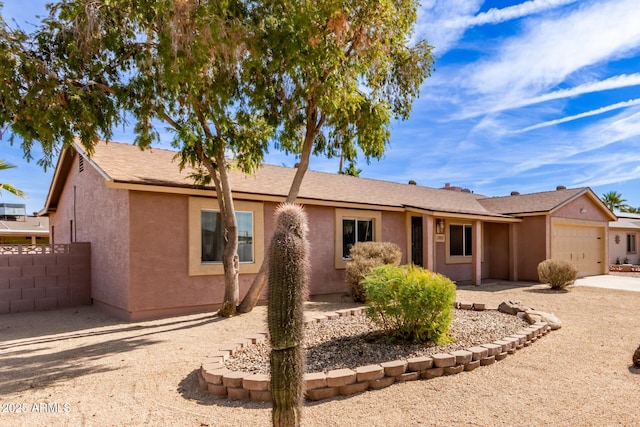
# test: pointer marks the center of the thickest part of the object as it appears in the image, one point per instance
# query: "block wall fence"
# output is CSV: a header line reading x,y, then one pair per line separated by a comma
x,y
44,277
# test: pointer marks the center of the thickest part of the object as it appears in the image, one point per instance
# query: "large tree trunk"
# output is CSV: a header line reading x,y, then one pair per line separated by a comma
x,y
313,127
230,260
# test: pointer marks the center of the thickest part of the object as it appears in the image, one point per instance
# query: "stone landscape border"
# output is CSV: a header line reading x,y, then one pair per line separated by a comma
x,y
237,385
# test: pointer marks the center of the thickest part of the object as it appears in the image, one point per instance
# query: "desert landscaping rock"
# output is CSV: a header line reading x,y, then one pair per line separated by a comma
x,y
117,373
548,318
345,342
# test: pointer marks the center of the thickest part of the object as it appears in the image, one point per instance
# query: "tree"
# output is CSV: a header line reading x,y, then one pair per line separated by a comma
x,y
613,200
8,187
351,170
333,74
629,209
94,64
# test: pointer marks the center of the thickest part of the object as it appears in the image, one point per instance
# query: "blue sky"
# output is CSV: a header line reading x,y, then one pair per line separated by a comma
x,y
526,95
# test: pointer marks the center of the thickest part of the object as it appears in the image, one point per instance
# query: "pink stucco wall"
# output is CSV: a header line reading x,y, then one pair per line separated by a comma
x,y
583,208
100,216
325,278
618,251
394,229
456,272
159,258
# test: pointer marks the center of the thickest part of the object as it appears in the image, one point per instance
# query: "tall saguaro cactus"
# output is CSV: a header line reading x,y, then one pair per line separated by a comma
x,y
288,278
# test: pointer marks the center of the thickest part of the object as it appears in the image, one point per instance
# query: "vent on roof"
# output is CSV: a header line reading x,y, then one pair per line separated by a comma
x,y
515,193
561,187
450,187
412,182
80,163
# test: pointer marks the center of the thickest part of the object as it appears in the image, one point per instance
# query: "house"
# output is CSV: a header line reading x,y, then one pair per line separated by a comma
x,y
18,228
623,239
155,237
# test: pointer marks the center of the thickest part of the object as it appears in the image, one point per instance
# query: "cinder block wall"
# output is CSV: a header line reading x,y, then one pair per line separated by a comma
x,y
46,281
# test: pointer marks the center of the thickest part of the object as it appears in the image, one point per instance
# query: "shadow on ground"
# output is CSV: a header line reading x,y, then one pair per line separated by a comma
x,y
22,372
497,286
190,390
48,335
36,362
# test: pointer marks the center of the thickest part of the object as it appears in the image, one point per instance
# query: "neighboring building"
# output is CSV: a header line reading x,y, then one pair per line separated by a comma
x,y
17,228
155,237
624,237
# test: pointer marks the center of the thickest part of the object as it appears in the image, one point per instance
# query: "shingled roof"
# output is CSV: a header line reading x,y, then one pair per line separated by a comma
x,y
544,201
128,164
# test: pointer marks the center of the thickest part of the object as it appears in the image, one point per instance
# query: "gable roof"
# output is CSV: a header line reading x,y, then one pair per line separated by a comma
x,y
544,201
127,166
541,202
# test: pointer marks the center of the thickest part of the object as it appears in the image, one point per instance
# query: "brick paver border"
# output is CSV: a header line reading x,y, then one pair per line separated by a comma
x,y
236,385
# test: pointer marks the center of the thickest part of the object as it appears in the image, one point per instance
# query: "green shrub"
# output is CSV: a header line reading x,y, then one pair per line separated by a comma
x,y
558,274
364,257
410,303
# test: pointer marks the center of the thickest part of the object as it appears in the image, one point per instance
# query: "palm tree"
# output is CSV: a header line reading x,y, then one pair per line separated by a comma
x,y
629,209
613,200
8,187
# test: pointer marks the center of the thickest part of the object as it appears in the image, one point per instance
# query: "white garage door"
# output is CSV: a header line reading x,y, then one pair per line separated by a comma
x,y
582,246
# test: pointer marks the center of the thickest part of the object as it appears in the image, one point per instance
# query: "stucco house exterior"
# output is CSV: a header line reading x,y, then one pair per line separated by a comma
x,y
624,237
155,237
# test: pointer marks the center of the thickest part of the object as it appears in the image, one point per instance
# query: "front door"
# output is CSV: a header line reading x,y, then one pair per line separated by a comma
x,y
416,240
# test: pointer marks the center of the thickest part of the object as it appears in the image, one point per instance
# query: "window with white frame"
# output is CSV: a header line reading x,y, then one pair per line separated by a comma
x,y
460,240
213,238
631,243
354,231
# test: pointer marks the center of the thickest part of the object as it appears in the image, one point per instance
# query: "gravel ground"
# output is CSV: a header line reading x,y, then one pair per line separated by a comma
x,y
89,369
349,342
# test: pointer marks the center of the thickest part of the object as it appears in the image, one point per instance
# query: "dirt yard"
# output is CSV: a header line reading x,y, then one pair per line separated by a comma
x,y
83,367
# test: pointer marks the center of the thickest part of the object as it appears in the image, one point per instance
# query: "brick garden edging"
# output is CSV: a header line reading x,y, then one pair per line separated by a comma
x,y
236,385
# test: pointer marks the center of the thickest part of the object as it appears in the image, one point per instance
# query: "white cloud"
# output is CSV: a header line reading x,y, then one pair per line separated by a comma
x,y
595,112
502,104
443,22
552,49
496,16
436,20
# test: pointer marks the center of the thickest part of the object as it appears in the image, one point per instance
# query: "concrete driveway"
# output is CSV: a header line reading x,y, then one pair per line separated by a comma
x,y
611,282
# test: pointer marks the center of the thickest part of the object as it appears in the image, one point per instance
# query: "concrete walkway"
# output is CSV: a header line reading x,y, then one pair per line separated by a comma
x,y
611,282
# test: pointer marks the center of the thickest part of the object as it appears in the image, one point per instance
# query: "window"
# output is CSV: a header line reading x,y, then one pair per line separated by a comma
x,y
213,236
631,243
350,226
353,231
460,240
206,236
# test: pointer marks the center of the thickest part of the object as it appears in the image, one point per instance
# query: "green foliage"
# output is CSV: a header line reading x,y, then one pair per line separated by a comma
x,y
629,209
410,303
328,51
351,170
613,200
558,274
8,187
92,66
288,278
364,257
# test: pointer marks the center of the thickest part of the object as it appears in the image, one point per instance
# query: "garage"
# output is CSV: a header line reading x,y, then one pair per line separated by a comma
x,y
582,244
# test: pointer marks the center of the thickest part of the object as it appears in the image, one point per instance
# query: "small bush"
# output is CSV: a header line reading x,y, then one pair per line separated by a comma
x,y
364,257
410,303
558,274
